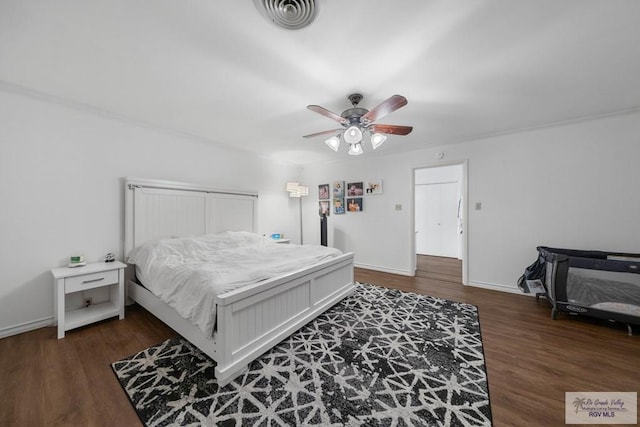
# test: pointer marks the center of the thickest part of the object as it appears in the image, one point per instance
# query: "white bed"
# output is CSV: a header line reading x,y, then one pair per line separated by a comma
x,y
251,318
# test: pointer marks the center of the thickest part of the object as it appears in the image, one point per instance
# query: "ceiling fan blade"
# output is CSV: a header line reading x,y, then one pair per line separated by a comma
x,y
391,129
321,110
387,106
325,132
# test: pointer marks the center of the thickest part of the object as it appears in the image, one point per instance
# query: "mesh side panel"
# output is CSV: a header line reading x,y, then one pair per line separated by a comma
x,y
589,287
549,280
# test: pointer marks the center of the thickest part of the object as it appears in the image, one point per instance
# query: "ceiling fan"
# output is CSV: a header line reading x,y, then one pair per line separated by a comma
x,y
357,121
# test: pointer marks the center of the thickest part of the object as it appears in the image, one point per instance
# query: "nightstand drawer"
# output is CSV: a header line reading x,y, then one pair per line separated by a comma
x,y
89,281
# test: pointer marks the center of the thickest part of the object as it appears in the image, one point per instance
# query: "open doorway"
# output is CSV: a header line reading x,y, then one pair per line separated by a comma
x,y
439,215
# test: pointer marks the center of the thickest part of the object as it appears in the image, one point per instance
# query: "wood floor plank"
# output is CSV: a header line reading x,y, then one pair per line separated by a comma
x,y
21,369
531,359
68,390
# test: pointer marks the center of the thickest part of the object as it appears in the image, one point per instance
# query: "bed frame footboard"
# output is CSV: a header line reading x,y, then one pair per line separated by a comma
x,y
253,319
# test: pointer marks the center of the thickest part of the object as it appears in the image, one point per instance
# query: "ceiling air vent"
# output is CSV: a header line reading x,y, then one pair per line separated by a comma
x,y
289,14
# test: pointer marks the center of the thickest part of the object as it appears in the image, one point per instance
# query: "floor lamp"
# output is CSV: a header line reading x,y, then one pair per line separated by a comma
x,y
296,190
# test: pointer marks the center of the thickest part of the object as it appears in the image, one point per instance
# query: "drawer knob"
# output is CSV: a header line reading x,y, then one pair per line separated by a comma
x,y
93,280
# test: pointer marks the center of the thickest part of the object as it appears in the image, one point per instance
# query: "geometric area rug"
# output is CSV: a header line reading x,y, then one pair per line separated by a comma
x,y
380,357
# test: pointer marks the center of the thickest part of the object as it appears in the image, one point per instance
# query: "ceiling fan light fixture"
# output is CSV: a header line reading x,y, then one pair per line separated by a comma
x,y
353,135
355,149
377,139
357,121
333,143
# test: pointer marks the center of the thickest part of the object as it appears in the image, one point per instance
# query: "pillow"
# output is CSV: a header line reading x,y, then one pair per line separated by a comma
x,y
192,246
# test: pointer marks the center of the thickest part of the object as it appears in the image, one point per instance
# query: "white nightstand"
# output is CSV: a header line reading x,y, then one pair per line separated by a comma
x,y
96,275
281,240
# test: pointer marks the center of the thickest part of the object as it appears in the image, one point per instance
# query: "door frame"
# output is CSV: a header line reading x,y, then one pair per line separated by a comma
x,y
465,213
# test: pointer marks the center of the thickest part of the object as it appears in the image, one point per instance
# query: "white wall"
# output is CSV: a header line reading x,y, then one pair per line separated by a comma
x,y
379,236
61,191
571,186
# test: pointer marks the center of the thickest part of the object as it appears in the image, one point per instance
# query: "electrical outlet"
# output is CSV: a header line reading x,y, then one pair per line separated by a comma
x,y
88,301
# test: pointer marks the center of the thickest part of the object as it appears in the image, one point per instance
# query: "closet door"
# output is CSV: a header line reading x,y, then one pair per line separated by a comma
x,y
421,218
449,220
436,219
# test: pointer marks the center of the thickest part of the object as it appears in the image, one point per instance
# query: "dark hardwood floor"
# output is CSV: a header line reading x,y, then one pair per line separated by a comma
x,y
531,360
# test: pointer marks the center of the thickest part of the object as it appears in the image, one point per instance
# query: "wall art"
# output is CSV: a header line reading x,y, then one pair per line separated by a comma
x,y
373,186
354,204
338,189
324,207
323,192
355,189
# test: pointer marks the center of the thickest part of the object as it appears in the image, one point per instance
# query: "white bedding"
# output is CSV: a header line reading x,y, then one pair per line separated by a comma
x,y
188,273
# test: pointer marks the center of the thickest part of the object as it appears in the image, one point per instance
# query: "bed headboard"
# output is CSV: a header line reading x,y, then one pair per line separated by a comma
x,y
156,209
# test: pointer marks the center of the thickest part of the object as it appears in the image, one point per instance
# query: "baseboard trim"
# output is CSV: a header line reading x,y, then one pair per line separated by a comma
x,y
26,327
483,285
383,269
496,287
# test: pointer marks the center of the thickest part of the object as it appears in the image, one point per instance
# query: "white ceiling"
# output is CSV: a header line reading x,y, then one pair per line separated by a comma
x,y
217,70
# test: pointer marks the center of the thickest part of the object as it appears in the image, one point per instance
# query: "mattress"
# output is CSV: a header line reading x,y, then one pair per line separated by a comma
x,y
188,273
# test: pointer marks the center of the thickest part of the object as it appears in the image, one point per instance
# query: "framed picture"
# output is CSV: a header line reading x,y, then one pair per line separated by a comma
x,y
373,186
338,189
338,205
354,204
354,189
324,207
323,192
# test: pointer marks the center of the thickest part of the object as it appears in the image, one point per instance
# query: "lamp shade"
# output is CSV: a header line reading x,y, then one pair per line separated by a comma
x,y
353,135
333,143
296,190
377,139
355,149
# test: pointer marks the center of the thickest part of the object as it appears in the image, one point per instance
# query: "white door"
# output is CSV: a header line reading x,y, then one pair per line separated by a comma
x,y
449,219
436,219
421,218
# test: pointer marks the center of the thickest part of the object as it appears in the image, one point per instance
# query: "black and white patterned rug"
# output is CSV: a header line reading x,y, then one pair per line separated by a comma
x,y
381,357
